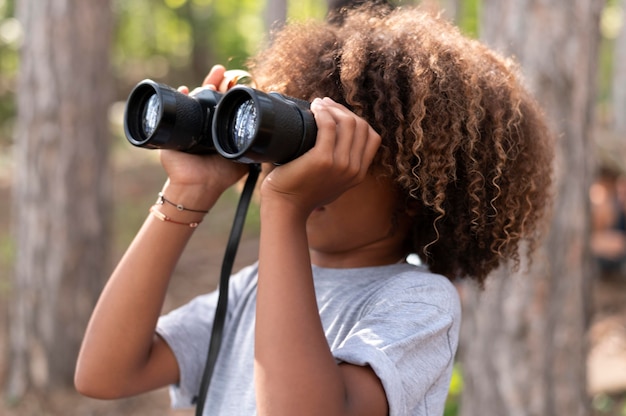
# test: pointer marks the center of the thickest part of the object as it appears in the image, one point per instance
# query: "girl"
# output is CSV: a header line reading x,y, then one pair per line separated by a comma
x,y
427,143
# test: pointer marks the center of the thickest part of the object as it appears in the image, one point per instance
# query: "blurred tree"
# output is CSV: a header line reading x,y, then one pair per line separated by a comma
x,y
275,14
524,339
451,8
202,51
60,188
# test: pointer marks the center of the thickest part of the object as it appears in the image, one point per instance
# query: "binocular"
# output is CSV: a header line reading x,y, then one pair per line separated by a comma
x,y
243,124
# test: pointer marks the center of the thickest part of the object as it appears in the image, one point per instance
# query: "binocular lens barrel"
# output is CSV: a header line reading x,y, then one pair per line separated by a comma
x,y
159,117
251,126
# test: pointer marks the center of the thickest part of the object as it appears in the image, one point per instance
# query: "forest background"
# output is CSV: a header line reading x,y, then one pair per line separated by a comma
x,y
175,42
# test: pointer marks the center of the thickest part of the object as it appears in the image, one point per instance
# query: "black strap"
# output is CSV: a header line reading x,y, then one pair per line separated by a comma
x,y
222,301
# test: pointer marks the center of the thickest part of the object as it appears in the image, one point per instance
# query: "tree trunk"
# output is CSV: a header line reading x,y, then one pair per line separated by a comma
x,y
275,14
202,51
451,8
61,197
523,342
619,78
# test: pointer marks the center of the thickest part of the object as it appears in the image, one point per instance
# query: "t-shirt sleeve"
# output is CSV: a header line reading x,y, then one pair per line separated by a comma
x,y
187,331
409,338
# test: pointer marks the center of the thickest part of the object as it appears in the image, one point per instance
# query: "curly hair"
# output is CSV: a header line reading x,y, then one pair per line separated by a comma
x,y
461,137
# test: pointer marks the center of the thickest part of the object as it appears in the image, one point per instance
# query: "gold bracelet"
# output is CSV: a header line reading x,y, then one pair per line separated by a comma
x,y
161,199
161,216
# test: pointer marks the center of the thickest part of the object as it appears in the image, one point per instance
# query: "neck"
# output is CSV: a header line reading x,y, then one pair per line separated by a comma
x,y
354,260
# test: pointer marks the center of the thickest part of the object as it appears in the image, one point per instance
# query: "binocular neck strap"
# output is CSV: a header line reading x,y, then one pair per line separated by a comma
x,y
227,267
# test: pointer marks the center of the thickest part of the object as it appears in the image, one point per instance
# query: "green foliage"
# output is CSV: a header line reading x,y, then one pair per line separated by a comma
x,y
612,22
469,17
7,255
306,9
454,393
169,39
609,405
10,38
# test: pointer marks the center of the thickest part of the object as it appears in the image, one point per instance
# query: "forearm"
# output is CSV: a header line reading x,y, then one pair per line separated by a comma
x,y
119,340
295,372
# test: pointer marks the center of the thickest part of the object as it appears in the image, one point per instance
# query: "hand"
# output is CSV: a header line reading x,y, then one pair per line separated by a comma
x,y
344,149
208,173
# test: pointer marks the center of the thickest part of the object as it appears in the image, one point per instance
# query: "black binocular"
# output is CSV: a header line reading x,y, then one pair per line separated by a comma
x,y
243,124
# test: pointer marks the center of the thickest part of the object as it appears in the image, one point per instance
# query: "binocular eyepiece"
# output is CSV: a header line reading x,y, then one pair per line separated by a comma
x,y
243,124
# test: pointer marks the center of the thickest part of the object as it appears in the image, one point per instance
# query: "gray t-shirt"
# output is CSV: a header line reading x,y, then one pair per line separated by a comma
x,y
401,320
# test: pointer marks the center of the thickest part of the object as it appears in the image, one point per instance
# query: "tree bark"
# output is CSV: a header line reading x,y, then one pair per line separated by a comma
x,y
275,14
61,198
202,51
524,345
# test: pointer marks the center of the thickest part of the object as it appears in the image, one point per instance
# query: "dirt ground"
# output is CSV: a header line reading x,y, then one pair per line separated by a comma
x,y
138,182
607,357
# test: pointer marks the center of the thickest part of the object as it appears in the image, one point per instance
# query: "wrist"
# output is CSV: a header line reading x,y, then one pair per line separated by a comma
x,y
162,200
284,208
157,212
188,198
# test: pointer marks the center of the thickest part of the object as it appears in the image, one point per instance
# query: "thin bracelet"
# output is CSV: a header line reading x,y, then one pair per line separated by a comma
x,y
161,216
161,199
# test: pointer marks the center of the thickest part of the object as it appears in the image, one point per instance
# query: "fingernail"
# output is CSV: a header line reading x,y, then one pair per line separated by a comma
x,y
317,102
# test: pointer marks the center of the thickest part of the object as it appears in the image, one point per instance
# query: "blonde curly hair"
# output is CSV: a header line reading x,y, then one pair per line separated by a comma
x,y
462,138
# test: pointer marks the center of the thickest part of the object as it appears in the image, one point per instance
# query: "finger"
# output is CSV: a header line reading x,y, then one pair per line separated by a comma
x,y
235,77
353,134
346,136
183,89
371,148
326,128
214,77
366,142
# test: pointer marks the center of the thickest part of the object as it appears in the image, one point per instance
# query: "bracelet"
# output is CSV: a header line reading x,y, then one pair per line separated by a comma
x,y
161,199
161,216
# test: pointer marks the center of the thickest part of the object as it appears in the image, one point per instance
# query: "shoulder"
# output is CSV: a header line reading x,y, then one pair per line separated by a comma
x,y
384,288
414,307
400,296
407,331
410,284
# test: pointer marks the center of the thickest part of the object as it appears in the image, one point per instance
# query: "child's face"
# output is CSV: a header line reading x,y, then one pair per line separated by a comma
x,y
363,227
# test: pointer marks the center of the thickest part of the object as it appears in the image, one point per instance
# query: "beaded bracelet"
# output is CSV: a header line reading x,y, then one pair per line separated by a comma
x,y
161,199
161,216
